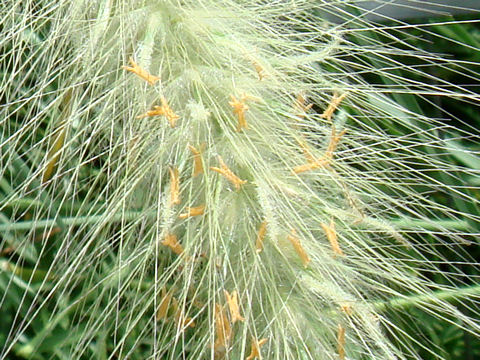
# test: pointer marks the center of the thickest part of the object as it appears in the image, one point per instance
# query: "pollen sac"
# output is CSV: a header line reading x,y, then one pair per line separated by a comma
x,y
140,72
239,109
228,174
174,186
332,237
341,342
232,301
197,160
324,161
223,330
164,306
334,140
171,241
334,103
255,348
163,110
193,211
300,108
262,231
295,241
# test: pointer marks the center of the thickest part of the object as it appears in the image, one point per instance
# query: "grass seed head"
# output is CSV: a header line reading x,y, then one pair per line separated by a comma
x,y
92,233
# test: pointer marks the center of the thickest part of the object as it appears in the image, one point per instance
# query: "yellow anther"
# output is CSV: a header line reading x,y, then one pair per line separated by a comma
x,y
228,174
334,103
162,311
295,241
180,318
239,108
262,231
300,108
174,186
306,151
320,163
232,301
332,237
223,330
142,73
157,111
341,342
347,309
334,140
197,160
259,69
193,211
171,241
255,348
323,161
163,110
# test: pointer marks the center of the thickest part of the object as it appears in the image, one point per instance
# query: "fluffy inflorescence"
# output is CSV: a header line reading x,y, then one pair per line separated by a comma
x,y
206,180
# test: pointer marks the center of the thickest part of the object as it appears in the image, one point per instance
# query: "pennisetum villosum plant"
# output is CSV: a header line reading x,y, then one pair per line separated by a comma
x,y
220,179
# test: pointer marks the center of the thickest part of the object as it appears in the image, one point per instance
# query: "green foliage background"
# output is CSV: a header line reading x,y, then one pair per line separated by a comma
x,y
459,39
455,38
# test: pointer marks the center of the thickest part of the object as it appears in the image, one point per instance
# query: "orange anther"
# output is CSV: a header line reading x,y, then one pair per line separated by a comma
x,y
197,160
341,342
223,330
162,311
180,318
193,211
323,161
334,140
163,110
262,231
332,237
232,301
259,69
171,241
255,348
142,73
239,108
334,103
320,163
295,241
228,174
347,309
174,186
306,151
299,107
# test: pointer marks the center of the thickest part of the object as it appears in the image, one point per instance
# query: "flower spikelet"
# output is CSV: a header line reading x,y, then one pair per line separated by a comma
x,y
228,174
140,72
